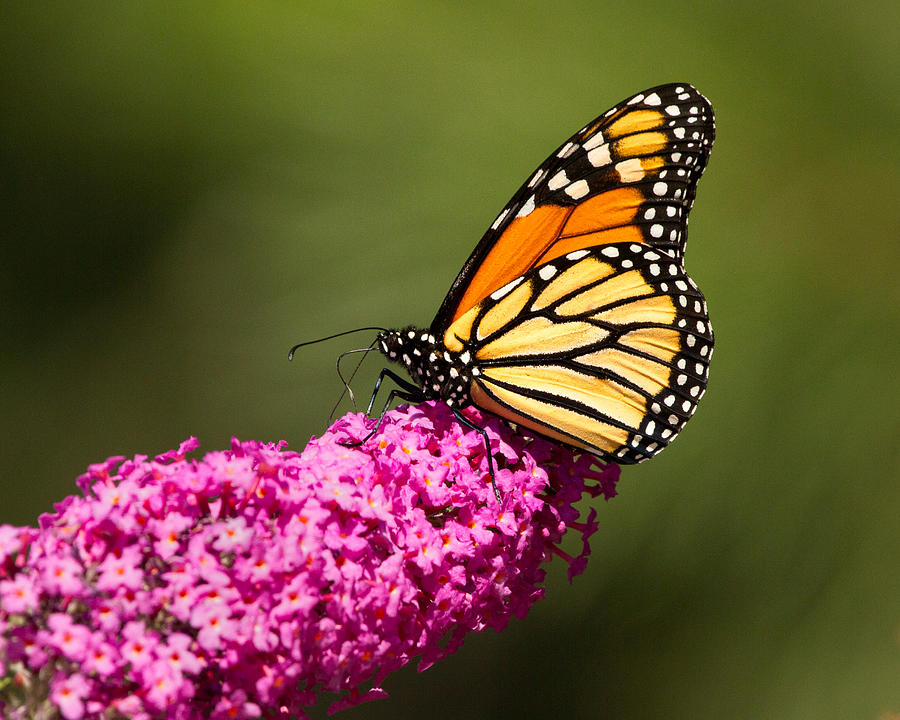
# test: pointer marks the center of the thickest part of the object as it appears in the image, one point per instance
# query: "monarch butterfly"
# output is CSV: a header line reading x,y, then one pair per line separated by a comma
x,y
573,316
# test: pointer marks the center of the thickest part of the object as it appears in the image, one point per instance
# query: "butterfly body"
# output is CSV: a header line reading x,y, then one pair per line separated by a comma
x,y
440,373
574,316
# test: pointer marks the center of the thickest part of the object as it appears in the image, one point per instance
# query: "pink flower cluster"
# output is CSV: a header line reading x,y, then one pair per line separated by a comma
x,y
247,582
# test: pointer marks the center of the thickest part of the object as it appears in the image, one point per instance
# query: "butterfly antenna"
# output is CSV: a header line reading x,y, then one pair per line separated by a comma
x,y
331,337
347,389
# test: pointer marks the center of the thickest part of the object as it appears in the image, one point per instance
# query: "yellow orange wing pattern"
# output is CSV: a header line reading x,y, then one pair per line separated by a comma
x,y
628,176
605,348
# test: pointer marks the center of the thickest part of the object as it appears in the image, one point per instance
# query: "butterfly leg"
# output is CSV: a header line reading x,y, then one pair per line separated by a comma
x,y
407,391
404,385
487,448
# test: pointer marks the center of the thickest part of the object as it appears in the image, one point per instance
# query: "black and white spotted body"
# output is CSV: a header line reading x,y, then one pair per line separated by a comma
x,y
439,372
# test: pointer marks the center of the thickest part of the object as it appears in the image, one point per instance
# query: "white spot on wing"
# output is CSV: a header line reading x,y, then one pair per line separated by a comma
x,y
566,150
547,272
592,142
527,208
630,170
557,181
598,157
577,189
652,99
537,177
506,289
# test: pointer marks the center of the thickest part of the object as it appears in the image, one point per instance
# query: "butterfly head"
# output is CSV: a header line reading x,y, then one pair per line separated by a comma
x,y
442,374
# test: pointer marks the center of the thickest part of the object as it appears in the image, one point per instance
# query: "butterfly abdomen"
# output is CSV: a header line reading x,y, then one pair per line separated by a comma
x,y
442,374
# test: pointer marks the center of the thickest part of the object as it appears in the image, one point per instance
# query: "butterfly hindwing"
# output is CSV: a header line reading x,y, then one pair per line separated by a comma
x,y
628,176
605,348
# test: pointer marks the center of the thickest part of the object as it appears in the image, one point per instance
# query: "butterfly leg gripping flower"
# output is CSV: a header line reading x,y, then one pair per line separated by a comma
x,y
411,393
407,391
250,582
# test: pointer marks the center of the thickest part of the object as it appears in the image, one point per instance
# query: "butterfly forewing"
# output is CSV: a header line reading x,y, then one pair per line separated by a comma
x,y
604,348
628,176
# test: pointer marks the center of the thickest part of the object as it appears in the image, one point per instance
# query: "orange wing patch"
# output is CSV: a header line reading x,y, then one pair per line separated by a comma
x,y
561,424
640,144
649,375
601,212
540,335
606,397
582,274
625,285
634,122
461,330
627,233
508,259
509,307
658,309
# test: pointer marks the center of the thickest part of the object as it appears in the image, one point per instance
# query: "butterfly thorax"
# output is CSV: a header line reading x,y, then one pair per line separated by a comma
x,y
442,375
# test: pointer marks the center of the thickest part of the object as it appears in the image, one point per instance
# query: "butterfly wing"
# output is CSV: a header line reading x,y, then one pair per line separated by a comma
x,y
630,175
605,348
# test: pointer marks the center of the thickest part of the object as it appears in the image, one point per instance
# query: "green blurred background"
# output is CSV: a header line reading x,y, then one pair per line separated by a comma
x,y
189,189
